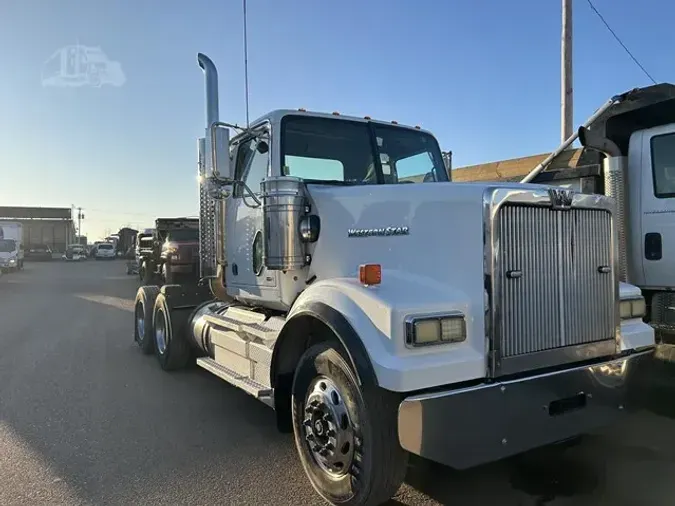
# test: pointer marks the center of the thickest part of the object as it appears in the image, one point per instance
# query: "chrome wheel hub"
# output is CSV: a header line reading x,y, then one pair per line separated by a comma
x,y
140,322
160,332
328,427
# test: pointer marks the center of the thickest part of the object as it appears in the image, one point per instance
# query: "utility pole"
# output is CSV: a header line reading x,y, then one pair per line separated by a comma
x,y
80,217
566,91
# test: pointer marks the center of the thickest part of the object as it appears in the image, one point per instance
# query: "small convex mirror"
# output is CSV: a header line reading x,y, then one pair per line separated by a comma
x,y
262,147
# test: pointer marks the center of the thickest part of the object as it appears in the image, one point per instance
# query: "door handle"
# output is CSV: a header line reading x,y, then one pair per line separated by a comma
x,y
653,246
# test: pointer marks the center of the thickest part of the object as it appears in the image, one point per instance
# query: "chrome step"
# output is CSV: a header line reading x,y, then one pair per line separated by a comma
x,y
257,390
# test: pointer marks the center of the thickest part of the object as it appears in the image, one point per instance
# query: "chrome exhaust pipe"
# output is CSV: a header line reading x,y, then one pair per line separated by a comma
x,y
614,168
211,213
211,82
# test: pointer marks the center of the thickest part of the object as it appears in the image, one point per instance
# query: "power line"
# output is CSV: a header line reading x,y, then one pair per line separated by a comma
x,y
590,3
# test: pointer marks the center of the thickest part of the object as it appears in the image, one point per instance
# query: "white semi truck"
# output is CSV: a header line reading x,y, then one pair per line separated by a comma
x,y
380,316
633,137
11,246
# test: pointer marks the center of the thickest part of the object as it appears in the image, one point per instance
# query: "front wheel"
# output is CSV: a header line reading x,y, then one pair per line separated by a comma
x,y
346,435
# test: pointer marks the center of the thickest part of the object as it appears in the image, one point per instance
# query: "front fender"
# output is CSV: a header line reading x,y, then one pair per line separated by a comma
x,y
377,316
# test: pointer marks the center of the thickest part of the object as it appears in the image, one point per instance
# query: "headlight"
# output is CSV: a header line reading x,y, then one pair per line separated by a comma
x,y
12,261
633,308
424,331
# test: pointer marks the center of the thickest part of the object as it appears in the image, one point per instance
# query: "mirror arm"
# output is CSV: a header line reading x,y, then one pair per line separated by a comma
x,y
250,194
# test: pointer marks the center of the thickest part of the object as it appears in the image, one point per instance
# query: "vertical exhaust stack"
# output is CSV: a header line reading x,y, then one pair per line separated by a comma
x,y
208,220
614,168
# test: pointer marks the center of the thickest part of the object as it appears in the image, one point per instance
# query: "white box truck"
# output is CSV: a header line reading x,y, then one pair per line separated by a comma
x,y
11,246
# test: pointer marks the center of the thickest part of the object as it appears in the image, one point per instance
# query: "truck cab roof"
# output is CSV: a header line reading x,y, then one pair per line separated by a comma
x,y
277,115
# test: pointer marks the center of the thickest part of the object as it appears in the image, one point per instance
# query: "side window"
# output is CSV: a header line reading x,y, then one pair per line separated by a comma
x,y
257,167
243,154
663,165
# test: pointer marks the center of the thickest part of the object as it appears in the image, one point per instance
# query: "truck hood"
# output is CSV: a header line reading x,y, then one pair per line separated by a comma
x,y
5,255
430,234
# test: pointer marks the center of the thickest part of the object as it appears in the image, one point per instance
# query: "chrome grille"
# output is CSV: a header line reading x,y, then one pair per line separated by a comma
x,y
554,283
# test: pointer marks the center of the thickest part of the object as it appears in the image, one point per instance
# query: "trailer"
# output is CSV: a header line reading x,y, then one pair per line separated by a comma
x,y
384,311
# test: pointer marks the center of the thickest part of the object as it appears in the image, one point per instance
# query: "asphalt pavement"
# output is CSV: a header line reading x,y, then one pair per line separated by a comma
x,y
85,418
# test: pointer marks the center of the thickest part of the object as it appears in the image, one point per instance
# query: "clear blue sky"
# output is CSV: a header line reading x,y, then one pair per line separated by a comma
x,y
482,74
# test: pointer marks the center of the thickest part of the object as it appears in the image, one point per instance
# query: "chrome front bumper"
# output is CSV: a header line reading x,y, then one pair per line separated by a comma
x,y
472,426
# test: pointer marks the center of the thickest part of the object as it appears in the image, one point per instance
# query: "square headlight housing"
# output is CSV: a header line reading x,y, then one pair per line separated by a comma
x,y
431,330
633,308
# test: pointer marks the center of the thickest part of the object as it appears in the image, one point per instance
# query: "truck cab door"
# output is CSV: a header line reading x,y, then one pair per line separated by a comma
x,y
245,272
656,206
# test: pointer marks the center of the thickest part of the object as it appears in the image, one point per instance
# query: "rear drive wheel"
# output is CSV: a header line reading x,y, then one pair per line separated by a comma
x,y
346,435
170,331
143,332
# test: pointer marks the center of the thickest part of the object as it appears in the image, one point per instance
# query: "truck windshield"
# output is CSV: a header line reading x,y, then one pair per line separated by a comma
x,y
7,245
183,235
341,151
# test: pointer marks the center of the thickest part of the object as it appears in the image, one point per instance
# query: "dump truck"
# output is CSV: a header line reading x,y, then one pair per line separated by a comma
x,y
382,310
628,152
172,255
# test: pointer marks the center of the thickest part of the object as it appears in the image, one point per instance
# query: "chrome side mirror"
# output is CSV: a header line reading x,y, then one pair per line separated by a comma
x,y
217,152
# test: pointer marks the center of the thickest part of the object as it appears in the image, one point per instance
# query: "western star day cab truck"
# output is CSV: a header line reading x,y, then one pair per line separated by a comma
x,y
381,315
11,246
633,139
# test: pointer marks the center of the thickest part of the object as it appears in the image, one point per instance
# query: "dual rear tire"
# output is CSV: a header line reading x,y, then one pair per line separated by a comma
x,y
161,328
170,330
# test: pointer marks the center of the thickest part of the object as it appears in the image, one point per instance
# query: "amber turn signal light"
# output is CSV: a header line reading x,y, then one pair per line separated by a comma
x,y
370,274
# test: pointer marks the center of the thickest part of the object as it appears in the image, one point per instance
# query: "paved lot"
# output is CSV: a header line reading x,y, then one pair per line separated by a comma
x,y
86,419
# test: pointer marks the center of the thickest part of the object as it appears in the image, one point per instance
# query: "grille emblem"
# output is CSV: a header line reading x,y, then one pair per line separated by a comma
x,y
560,198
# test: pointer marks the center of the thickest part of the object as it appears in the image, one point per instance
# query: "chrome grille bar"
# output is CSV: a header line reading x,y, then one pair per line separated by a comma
x,y
555,291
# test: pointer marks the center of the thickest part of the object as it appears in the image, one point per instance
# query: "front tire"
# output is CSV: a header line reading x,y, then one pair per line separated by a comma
x,y
143,309
170,331
346,435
